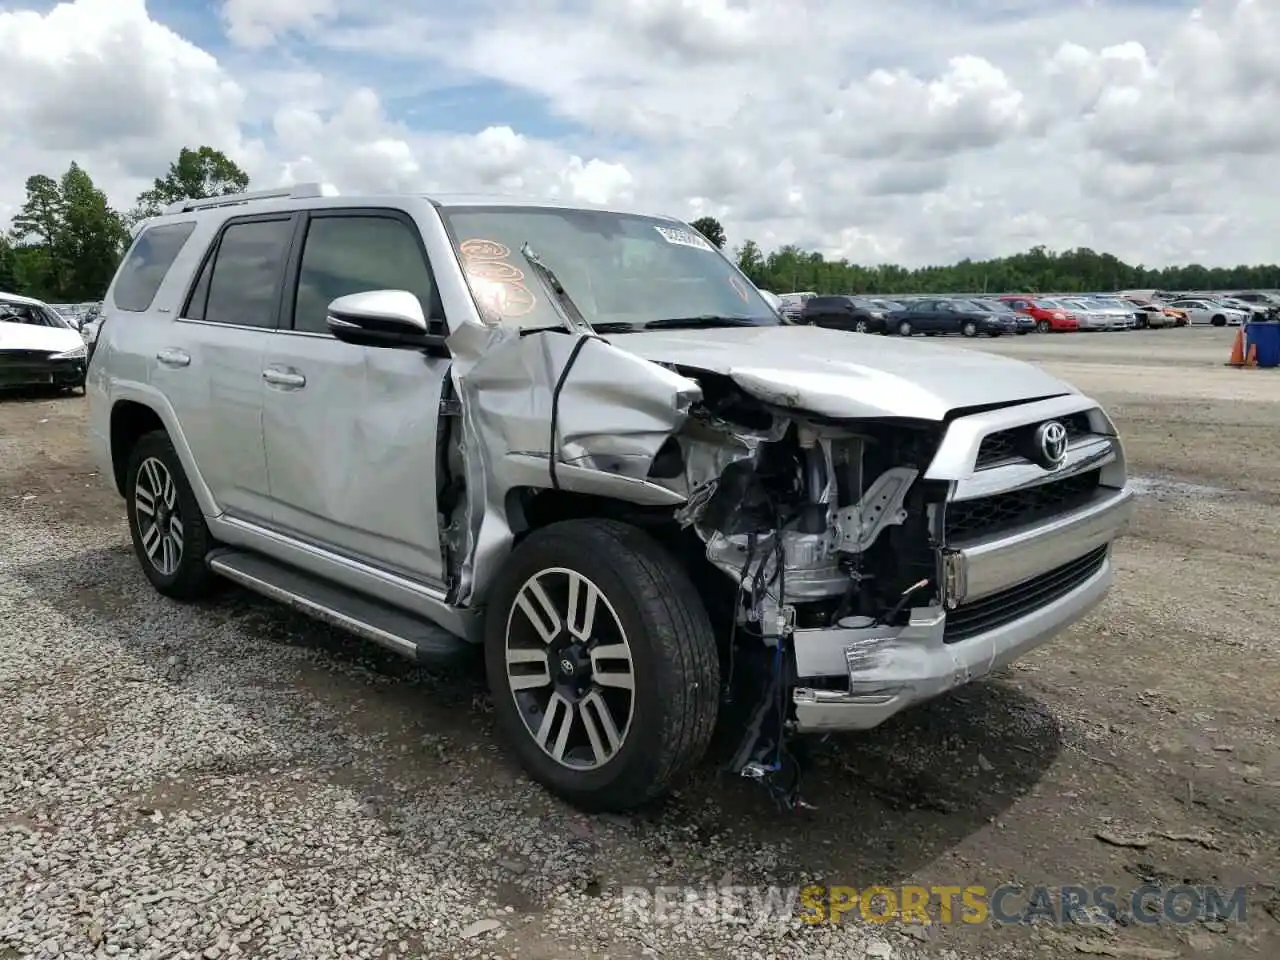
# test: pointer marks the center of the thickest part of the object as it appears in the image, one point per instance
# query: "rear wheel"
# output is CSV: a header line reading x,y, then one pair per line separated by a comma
x,y
904,328
165,521
602,663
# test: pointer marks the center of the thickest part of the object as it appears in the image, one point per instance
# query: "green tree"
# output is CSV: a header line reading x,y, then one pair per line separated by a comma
x,y
1038,270
66,239
37,227
8,268
91,238
751,262
710,228
199,173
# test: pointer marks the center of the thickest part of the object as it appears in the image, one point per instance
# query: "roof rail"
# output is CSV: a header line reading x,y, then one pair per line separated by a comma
x,y
297,191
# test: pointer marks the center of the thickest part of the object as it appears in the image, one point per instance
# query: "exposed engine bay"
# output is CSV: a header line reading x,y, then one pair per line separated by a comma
x,y
816,522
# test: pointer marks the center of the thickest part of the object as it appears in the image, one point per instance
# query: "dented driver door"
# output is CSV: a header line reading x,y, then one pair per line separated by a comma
x,y
350,431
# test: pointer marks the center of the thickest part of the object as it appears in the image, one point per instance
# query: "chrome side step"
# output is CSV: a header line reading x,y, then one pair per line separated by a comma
x,y
365,617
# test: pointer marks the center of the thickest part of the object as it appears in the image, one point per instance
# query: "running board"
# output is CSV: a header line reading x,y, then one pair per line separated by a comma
x,y
371,619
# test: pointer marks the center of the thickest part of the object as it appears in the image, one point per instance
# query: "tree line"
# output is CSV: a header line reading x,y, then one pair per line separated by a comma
x,y
66,240
1038,270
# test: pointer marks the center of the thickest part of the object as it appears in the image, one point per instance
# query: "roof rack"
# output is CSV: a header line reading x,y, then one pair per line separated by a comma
x,y
297,191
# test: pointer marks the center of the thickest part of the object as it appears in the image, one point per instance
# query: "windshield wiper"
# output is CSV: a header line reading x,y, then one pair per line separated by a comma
x,y
565,306
702,320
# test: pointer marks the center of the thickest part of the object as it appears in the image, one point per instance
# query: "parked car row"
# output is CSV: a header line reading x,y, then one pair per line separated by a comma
x,y
1001,314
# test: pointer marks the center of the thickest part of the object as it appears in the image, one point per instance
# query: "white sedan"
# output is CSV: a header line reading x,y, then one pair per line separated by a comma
x,y
1211,312
37,346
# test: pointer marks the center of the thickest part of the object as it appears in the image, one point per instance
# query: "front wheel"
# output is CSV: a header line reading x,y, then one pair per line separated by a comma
x,y
1044,326
969,329
165,521
860,326
602,664
1219,321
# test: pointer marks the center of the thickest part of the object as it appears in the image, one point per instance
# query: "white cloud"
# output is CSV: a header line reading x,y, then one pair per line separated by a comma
x,y
258,23
917,131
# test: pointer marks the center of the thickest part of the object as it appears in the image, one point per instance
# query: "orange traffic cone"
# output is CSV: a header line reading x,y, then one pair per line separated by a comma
x,y
1237,350
1252,359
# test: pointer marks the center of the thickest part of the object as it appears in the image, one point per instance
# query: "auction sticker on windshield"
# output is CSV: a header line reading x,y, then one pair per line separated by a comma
x,y
684,238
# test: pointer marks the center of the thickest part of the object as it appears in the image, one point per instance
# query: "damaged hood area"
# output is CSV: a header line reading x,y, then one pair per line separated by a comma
x,y
838,374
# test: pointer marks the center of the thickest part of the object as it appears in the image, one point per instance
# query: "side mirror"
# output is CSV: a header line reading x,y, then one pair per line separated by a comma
x,y
381,318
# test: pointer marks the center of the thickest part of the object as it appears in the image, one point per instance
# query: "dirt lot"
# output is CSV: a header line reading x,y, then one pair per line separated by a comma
x,y
229,779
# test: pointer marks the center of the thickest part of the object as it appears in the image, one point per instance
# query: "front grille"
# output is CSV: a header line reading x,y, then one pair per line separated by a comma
x,y
24,356
1006,445
989,613
1003,511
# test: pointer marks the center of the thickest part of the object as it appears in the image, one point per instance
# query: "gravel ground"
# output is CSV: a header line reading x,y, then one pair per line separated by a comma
x,y
227,779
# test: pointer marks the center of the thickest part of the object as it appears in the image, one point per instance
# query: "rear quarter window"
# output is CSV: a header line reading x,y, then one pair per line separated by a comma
x,y
146,264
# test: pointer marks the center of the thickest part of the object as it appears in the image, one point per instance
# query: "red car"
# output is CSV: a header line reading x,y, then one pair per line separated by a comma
x,y
1048,319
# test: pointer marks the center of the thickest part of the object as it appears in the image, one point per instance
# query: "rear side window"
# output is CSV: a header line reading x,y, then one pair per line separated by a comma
x,y
144,268
240,282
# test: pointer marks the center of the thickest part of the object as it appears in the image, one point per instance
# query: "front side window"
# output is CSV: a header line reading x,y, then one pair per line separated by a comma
x,y
148,261
240,284
619,269
355,254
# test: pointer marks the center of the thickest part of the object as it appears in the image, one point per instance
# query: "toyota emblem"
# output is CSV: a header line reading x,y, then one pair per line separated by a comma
x,y
1051,444
567,665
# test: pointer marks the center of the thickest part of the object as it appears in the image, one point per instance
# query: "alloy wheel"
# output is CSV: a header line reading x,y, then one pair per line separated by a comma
x,y
569,668
155,503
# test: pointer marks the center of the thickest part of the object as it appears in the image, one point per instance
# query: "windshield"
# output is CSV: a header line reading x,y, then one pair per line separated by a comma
x,y
619,269
32,314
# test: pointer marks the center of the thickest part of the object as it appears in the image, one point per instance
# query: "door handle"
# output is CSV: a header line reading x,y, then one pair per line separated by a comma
x,y
291,379
174,358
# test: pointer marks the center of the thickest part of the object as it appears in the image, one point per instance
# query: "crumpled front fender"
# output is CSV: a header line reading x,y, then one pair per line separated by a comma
x,y
614,413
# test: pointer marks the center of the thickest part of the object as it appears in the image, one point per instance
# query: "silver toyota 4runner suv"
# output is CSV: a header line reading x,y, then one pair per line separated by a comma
x,y
582,441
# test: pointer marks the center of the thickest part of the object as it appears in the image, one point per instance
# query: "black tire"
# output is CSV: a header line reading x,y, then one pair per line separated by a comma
x,y
1044,326
904,328
191,579
1219,321
675,662
860,326
969,328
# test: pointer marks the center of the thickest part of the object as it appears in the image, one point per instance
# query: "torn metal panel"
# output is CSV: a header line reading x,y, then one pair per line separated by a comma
x,y
615,411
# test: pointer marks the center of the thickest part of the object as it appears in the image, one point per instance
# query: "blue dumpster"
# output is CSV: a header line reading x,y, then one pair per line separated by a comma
x,y
1265,337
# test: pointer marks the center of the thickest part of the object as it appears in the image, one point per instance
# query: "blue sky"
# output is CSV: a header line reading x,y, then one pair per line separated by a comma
x,y
916,131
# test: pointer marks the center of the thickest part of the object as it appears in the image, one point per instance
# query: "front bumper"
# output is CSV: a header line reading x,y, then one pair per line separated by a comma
x,y
21,368
855,679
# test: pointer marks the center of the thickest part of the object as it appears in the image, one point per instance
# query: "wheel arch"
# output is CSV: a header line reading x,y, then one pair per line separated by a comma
x,y
137,413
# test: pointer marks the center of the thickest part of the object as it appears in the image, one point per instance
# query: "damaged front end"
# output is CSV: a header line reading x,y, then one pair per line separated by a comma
x,y
801,522
817,524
